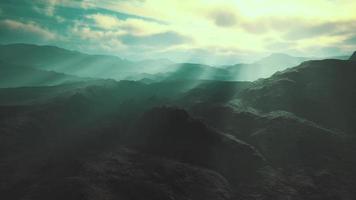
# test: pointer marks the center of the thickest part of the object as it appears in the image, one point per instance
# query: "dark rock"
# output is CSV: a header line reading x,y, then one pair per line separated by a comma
x,y
321,91
173,133
353,56
128,174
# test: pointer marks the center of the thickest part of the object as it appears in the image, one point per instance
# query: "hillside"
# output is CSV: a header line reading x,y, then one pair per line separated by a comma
x,y
322,91
102,66
188,133
12,75
65,61
353,56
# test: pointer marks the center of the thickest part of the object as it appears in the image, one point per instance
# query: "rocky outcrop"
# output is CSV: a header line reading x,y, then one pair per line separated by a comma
x,y
353,56
321,91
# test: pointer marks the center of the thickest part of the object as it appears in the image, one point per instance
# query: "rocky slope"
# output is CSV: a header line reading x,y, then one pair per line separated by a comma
x,y
353,57
321,91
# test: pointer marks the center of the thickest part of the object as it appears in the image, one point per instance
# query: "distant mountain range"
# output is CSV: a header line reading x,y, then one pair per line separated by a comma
x,y
264,67
64,61
14,75
288,136
51,58
75,63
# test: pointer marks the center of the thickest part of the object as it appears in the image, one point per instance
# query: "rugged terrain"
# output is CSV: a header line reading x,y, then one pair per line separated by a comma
x,y
288,136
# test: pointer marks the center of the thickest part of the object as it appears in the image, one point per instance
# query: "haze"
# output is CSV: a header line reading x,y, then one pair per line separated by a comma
x,y
203,31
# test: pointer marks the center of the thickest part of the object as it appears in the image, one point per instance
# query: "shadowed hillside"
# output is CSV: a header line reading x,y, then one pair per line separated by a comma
x,y
322,91
60,60
353,57
12,75
188,133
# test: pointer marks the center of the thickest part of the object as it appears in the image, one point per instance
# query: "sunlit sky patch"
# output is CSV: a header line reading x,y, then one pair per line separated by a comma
x,y
207,31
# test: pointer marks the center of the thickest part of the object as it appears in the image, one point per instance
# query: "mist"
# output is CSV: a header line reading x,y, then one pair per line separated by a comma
x,y
157,100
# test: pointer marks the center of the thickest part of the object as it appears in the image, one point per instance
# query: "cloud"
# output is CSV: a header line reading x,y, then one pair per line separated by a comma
x,y
130,25
223,18
327,50
105,21
204,28
28,27
130,1
169,38
281,45
48,7
307,30
228,17
331,50
85,32
287,27
255,27
210,55
350,40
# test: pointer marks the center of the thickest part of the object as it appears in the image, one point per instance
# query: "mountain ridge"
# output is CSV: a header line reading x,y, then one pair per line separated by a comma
x,y
61,60
308,90
353,56
12,75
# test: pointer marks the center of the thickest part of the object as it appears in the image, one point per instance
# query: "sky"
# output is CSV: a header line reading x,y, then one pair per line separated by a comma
x,y
206,31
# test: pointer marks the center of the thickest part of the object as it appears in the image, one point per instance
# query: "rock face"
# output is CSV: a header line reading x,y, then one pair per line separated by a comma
x,y
353,57
128,174
135,175
281,137
321,91
172,133
315,160
290,136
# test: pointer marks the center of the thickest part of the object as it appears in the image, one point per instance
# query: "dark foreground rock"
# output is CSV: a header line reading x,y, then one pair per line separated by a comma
x,y
128,174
